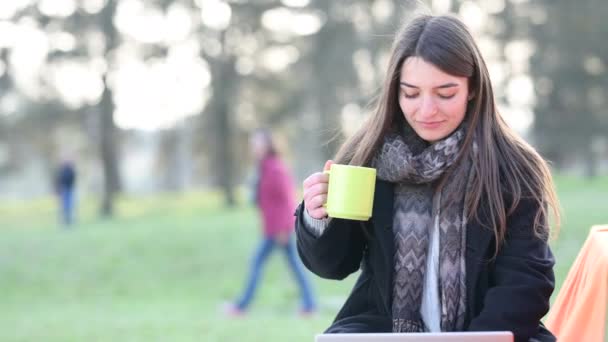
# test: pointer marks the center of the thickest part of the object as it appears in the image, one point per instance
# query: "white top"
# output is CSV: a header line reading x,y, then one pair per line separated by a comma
x,y
430,309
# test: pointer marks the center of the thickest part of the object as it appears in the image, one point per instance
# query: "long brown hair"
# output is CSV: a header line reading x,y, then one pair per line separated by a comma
x,y
507,168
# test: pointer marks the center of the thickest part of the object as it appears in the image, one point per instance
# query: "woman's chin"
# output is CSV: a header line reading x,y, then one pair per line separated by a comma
x,y
431,136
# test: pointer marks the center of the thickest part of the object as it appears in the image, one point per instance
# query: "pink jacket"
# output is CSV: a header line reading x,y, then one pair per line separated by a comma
x,y
276,197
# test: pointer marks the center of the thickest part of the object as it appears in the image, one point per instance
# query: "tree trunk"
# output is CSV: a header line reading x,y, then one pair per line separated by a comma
x,y
224,82
223,161
109,158
591,160
108,143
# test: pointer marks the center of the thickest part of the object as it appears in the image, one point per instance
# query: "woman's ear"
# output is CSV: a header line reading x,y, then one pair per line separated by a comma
x,y
471,96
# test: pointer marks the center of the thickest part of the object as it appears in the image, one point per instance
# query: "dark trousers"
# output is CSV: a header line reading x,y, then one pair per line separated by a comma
x,y
259,260
66,198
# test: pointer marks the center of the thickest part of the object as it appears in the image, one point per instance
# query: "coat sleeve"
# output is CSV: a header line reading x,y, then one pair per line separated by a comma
x,y
336,253
523,280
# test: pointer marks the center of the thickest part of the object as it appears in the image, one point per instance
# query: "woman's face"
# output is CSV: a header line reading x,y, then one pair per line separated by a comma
x,y
259,146
433,102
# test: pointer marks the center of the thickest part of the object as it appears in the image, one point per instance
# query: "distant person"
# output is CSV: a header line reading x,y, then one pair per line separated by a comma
x,y
274,195
65,183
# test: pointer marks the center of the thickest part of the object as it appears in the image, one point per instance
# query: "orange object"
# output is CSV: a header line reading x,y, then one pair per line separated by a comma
x,y
579,312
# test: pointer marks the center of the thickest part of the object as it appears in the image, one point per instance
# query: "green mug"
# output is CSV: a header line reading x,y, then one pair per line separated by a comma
x,y
350,194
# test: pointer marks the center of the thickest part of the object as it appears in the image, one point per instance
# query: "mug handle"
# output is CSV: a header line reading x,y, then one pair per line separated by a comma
x,y
327,172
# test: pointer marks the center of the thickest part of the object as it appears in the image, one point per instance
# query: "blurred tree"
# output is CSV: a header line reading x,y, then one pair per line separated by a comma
x,y
108,137
45,102
307,68
28,100
6,86
569,67
224,97
222,120
331,59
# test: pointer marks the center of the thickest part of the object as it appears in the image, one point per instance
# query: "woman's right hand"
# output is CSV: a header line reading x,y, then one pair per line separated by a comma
x,y
315,193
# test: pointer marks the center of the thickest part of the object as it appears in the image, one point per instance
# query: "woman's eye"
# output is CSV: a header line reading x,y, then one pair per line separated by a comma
x,y
446,97
410,96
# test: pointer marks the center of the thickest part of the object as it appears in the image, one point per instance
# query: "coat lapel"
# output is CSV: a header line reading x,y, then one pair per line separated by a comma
x,y
478,240
382,221
382,217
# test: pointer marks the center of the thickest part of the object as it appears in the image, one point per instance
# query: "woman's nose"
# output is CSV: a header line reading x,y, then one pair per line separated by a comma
x,y
428,108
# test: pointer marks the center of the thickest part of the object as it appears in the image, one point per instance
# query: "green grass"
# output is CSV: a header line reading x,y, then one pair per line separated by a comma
x,y
162,270
584,203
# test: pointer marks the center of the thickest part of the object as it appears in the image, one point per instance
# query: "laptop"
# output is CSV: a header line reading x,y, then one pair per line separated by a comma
x,y
481,336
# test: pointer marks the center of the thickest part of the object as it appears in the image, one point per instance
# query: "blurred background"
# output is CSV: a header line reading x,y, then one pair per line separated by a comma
x,y
151,103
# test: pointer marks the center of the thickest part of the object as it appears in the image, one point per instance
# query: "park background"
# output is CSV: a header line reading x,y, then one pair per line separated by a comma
x,y
154,101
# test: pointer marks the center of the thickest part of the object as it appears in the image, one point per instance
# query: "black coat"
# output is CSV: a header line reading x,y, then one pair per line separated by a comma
x,y
510,292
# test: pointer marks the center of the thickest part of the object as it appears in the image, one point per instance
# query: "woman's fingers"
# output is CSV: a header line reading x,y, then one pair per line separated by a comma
x,y
315,190
319,213
318,177
318,201
315,208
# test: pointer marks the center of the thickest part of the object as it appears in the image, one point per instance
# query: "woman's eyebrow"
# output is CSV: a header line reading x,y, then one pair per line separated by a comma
x,y
447,85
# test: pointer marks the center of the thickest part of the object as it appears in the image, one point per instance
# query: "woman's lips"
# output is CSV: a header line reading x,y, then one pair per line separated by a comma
x,y
430,125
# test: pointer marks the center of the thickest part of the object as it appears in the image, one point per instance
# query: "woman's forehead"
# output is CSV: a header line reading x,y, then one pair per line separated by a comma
x,y
420,73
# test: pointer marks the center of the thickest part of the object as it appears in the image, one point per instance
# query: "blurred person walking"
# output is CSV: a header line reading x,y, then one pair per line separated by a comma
x,y
65,183
274,195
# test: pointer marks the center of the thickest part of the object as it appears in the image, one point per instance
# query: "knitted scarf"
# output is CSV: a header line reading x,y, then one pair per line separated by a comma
x,y
411,163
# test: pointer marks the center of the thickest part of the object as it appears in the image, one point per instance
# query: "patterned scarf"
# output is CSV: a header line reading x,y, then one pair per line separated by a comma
x,y
415,166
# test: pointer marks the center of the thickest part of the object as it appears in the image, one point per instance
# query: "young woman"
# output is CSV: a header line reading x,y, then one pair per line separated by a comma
x,y
458,235
275,197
